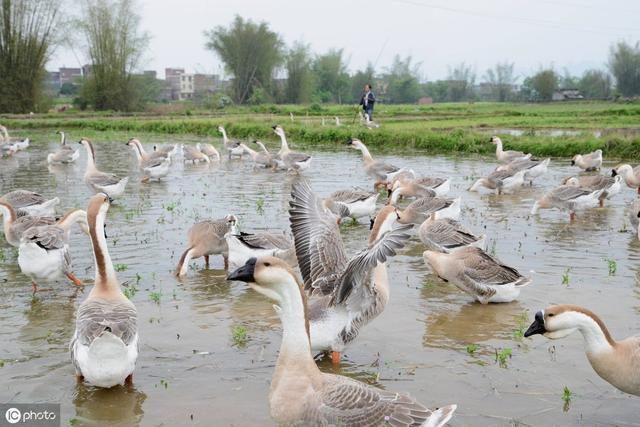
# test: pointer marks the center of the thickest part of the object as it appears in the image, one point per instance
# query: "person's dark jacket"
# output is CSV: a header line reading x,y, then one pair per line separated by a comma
x,y
371,99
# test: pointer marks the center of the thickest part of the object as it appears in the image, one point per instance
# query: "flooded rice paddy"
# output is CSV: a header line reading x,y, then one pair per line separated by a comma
x,y
208,346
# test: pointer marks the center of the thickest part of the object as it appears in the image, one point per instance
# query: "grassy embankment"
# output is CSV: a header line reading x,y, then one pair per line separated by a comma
x,y
439,128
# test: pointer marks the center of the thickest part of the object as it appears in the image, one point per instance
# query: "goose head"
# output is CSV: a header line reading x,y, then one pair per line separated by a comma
x,y
355,143
269,276
278,130
495,140
575,159
621,170
133,141
382,222
221,129
558,321
232,223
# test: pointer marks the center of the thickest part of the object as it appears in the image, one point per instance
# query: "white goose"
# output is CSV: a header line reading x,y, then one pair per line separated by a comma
x,y
288,159
353,203
194,155
101,182
532,168
43,254
143,156
260,158
154,167
29,203
570,198
232,147
502,181
18,143
630,175
380,171
64,154
104,347
302,395
208,150
509,155
588,162
244,246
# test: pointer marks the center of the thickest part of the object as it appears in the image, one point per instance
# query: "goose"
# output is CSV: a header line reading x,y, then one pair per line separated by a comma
x,y
501,181
300,393
616,362
232,147
570,198
509,155
18,143
420,209
610,185
64,154
142,155
479,274
421,187
290,159
353,203
402,175
260,158
588,162
104,346
43,253
194,155
344,295
634,217
101,182
29,203
244,246
380,171
630,175
532,168
447,235
169,150
207,238
337,119
154,167
209,150
370,124
14,226
7,149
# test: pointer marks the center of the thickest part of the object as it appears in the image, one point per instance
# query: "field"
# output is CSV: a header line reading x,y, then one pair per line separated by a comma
x,y
557,129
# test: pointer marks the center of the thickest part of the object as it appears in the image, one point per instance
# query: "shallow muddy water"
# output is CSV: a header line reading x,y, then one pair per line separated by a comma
x,y
191,372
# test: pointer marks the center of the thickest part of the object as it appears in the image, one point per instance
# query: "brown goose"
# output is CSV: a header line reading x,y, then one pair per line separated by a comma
x,y
207,238
14,226
616,362
588,162
303,395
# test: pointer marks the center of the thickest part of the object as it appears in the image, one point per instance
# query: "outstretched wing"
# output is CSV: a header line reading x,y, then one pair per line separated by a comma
x,y
355,284
319,246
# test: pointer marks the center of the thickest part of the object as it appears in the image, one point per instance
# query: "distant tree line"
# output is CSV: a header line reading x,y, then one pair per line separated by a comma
x,y
263,69
324,78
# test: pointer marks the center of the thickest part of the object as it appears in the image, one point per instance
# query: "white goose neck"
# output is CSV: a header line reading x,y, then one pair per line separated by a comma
x,y
63,140
283,141
224,135
366,155
71,218
137,152
295,339
91,160
8,218
595,339
498,147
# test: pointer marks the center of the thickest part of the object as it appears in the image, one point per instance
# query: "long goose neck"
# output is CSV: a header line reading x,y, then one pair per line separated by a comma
x,y
141,149
596,335
284,146
91,157
63,139
8,217
105,280
262,147
295,347
71,217
366,155
225,140
498,147
251,151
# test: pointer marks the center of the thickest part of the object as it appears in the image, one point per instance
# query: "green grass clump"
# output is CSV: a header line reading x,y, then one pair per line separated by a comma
x,y
239,335
503,356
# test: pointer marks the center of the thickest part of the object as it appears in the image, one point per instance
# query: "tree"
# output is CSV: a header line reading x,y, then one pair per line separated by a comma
x,y
27,39
501,81
69,88
114,46
402,79
595,84
361,78
438,90
461,80
544,83
299,76
251,52
624,64
331,78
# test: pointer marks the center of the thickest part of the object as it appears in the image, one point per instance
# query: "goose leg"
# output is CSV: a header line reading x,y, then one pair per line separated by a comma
x,y
79,378
226,261
129,380
335,357
206,261
572,216
601,203
34,286
74,279
145,179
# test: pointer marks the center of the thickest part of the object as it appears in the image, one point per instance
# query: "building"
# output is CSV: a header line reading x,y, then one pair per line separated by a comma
x,y
69,75
53,81
205,83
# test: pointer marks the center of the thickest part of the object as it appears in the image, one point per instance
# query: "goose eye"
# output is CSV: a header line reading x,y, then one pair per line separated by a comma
x,y
267,264
550,314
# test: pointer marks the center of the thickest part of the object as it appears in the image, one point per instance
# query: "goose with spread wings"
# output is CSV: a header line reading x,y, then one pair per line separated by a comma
x,y
344,294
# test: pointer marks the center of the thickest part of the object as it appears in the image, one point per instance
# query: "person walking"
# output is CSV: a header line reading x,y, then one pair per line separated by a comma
x,y
367,101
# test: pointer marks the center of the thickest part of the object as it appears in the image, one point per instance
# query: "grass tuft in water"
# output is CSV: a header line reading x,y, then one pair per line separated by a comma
x,y
260,205
612,265
565,276
471,349
503,356
155,296
120,267
239,335
566,398
522,320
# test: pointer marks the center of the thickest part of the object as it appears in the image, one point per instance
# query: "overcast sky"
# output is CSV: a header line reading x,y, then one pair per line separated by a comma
x,y
572,34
